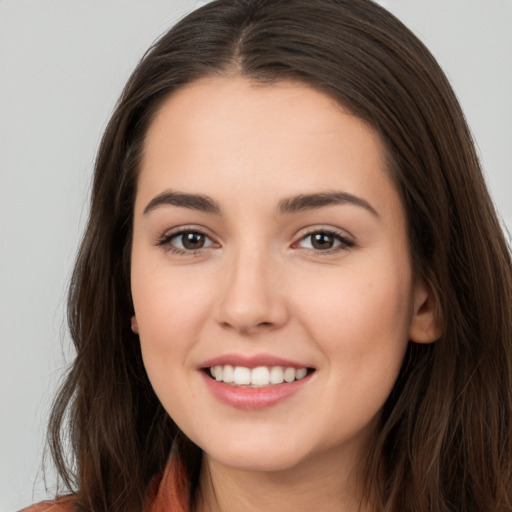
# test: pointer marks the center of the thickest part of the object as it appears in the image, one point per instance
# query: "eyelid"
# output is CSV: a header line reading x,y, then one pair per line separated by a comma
x,y
346,240
165,240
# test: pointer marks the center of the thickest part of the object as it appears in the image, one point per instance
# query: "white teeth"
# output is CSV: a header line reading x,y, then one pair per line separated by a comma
x,y
260,376
301,373
218,373
228,373
242,376
289,374
276,375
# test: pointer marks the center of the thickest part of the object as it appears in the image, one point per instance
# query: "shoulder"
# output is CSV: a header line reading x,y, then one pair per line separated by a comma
x,y
65,504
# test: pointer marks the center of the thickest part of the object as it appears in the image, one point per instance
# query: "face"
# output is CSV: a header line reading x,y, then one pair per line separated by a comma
x,y
271,275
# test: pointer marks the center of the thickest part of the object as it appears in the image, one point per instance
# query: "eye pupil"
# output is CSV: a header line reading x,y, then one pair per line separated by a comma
x,y
322,241
193,240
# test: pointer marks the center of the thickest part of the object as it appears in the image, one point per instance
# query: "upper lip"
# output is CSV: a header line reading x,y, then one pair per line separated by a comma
x,y
252,361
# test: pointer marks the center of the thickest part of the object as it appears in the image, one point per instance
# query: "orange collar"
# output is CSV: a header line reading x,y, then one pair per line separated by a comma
x,y
171,492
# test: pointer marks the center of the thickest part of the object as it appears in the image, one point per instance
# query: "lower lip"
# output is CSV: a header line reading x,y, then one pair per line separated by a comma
x,y
253,398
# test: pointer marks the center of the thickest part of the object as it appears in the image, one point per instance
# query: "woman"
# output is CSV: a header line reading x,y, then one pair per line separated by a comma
x,y
293,290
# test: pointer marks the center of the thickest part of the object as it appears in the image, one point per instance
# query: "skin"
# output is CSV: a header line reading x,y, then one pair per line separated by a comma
x,y
260,286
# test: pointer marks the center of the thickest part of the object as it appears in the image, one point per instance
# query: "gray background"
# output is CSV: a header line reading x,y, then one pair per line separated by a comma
x,y
62,65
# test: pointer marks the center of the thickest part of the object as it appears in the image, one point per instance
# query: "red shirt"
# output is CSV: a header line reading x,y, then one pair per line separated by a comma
x,y
168,493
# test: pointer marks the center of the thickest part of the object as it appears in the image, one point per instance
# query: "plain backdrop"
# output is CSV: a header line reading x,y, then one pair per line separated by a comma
x,y
62,66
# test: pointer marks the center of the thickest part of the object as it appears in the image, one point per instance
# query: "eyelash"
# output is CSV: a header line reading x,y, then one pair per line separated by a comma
x,y
344,243
166,240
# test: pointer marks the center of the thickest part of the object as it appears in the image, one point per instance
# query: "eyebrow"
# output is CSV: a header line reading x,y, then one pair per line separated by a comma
x,y
306,202
294,204
192,201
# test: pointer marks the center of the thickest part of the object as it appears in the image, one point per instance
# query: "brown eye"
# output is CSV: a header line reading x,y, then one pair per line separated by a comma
x,y
191,241
187,241
323,241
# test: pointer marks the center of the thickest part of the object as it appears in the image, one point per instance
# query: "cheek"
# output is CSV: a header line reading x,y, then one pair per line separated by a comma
x,y
171,312
360,320
171,308
166,296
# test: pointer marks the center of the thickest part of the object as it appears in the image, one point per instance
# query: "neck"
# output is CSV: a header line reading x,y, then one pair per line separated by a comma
x,y
328,483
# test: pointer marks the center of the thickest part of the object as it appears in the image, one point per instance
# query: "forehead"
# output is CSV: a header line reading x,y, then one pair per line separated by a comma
x,y
225,134
249,106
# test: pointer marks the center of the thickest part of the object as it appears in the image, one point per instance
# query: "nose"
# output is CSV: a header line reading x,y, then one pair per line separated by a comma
x,y
252,300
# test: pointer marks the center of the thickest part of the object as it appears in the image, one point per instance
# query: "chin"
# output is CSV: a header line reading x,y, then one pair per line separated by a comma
x,y
259,456
256,462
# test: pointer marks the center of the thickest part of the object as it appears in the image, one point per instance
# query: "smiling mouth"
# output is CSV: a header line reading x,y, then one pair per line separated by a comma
x,y
259,377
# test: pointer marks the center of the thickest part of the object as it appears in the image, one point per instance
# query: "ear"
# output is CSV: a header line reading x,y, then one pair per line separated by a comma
x,y
426,323
135,325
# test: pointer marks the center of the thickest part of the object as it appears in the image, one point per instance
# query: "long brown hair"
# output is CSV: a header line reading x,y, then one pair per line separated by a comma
x,y
444,442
